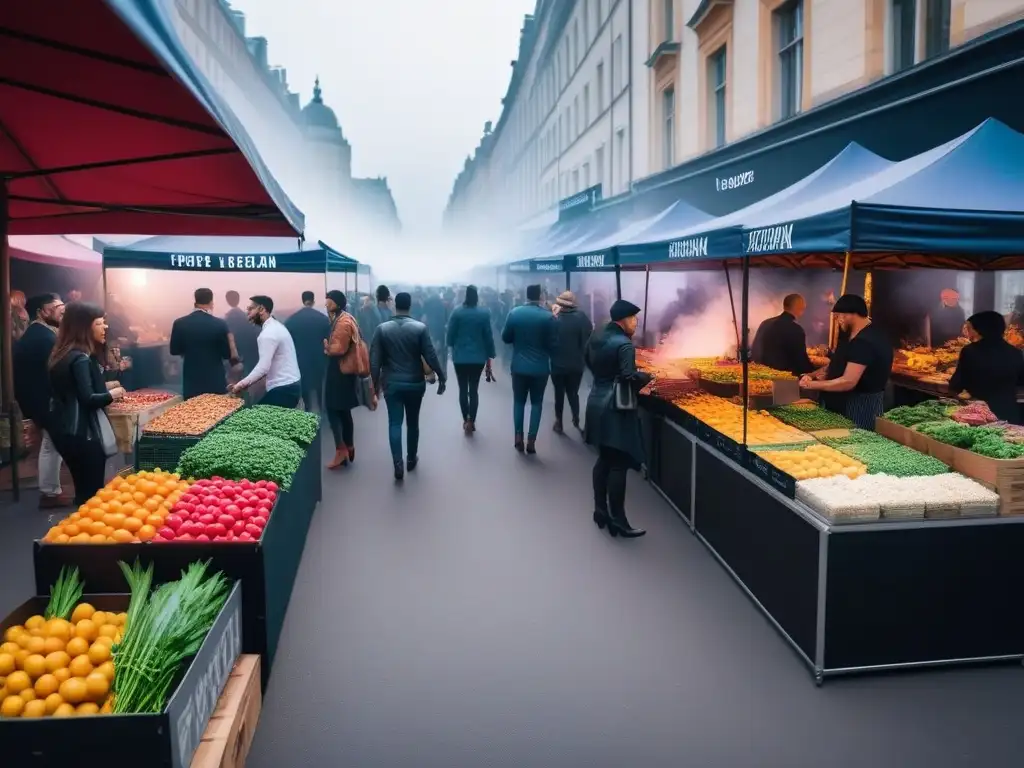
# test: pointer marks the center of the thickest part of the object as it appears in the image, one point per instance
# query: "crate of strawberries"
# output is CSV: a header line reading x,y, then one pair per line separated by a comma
x,y
219,510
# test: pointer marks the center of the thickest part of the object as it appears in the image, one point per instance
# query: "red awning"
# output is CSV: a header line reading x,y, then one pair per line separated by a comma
x,y
97,136
55,251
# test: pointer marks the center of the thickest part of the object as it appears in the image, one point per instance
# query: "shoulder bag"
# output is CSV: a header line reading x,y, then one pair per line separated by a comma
x,y
623,394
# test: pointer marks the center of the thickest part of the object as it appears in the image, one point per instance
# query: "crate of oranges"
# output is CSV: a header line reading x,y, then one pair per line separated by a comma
x,y
127,510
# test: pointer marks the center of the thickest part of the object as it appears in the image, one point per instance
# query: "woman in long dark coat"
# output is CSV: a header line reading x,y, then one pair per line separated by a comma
x,y
342,380
615,433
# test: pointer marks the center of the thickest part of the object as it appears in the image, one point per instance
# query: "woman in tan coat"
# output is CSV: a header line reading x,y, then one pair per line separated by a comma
x,y
345,364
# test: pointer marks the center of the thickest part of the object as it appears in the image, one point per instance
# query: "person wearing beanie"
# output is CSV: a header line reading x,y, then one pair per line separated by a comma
x,y
347,359
573,329
398,351
530,329
989,368
309,329
855,380
472,343
612,429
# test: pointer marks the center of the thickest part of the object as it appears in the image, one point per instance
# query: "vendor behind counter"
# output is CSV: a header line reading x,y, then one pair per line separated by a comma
x,y
855,380
990,368
780,341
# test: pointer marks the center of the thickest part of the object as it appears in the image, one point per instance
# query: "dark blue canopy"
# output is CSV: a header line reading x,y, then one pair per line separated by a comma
x,y
599,252
660,241
551,264
227,254
963,197
722,237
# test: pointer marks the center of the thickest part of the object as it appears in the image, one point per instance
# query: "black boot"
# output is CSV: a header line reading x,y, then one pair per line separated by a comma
x,y
600,518
531,445
619,526
411,462
399,470
519,442
558,427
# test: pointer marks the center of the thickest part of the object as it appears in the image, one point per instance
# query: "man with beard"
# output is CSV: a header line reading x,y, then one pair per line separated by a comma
x,y
32,389
201,340
278,363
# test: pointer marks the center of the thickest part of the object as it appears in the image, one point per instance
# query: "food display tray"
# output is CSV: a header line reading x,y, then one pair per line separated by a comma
x,y
165,740
781,481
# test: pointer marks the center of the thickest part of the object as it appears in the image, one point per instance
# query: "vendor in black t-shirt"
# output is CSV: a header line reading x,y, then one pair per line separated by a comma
x,y
860,367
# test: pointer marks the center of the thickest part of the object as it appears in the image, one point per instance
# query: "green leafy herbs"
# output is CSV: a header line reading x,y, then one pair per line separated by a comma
x,y
986,441
810,418
242,456
165,628
286,423
64,595
883,456
929,410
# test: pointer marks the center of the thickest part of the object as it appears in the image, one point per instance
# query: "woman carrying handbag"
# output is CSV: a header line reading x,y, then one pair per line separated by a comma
x,y
347,382
613,425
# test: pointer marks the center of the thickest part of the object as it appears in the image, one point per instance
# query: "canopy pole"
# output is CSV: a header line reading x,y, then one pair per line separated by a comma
x,y
732,303
744,354
647,290
833,327
618,281
868,289
6,321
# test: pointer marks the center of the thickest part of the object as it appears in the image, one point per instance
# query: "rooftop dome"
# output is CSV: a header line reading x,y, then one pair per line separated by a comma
x,y
317,114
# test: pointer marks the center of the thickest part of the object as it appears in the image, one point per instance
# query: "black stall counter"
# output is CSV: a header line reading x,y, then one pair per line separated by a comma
x,y
852,597
266,569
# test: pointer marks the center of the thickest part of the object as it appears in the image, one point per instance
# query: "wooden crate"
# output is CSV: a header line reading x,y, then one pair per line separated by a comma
x,y
1004,476
231,730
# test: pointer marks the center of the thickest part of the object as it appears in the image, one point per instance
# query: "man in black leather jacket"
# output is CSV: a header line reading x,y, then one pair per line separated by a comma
x,y
397,353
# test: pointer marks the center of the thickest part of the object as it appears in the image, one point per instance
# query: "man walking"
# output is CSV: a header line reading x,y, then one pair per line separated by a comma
x,y
201,340
435,316
530,329
32,389
567,362
397,352
278,362
310,328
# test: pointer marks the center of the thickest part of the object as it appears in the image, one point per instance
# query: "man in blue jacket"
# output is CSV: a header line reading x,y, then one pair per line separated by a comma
x,y
531,331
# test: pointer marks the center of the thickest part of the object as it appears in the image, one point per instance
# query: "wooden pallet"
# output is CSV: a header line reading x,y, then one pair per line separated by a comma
x,y
231,730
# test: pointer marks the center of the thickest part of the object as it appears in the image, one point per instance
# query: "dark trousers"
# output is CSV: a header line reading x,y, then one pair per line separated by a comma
x,y
87,464
441,347
312,392
610,481
342,427
567,386
524,387
283,397
468,376
404,401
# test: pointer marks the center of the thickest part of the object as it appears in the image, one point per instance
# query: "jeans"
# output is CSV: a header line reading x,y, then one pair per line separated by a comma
x,y
404,401
567,385
286,396
609,478
468,376
49,466
342,427
87,464
524,386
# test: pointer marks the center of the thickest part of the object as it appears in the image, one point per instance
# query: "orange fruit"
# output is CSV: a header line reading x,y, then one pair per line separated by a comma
x,y
34,708
62,539
87,708
35,666
46,685
53,533
62,674
59,629
9,647
155,520
52,702
52,645
122,536
12,706
29,694
97,686
81,538
82,611
87,629
107,670
132,524
58,660
139,497
109,630
98,654
98,538
7,664
114,505
80,666
74,690
107,641
20,656
146,532
94,527
77,646
64,709
17,682
34,622
35,644
114,519
72,530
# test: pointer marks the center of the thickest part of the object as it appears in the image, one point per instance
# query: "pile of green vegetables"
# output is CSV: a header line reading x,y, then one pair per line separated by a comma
x,y
810,418
165,628
65,594
883,456
986,441
242,456
929,410
286,423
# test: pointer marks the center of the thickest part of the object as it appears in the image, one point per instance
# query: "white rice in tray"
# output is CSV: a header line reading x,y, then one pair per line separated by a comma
x,y
836,499
972,499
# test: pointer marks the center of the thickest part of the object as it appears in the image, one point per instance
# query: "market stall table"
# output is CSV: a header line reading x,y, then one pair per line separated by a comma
x,y
128,420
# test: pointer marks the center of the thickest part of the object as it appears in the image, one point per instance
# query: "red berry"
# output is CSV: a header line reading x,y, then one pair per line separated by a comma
x,y
167,533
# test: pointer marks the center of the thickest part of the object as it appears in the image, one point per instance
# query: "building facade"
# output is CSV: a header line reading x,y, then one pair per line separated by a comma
x,y
568,117
303,146
714,81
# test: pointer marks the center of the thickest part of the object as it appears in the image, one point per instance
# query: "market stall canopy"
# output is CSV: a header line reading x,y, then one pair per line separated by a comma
x,y
226,254
722,237
106,125
599,251
55,251
658,241
965,197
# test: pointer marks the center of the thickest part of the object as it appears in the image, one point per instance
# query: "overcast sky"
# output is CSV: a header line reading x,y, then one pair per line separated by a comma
x,y
411,81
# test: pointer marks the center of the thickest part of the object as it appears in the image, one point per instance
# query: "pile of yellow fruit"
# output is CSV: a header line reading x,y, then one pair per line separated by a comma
x,y
727,417
128,509
58,667
814,461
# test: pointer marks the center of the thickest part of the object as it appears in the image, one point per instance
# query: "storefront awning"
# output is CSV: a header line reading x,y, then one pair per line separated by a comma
x,y
53,250
227,254
963,197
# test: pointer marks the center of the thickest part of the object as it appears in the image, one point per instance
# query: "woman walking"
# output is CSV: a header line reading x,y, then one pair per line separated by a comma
x,y
82,433
472,342
348,359
612,426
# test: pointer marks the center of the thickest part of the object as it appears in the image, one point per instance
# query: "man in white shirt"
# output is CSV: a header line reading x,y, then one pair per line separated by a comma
x,y
278,362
